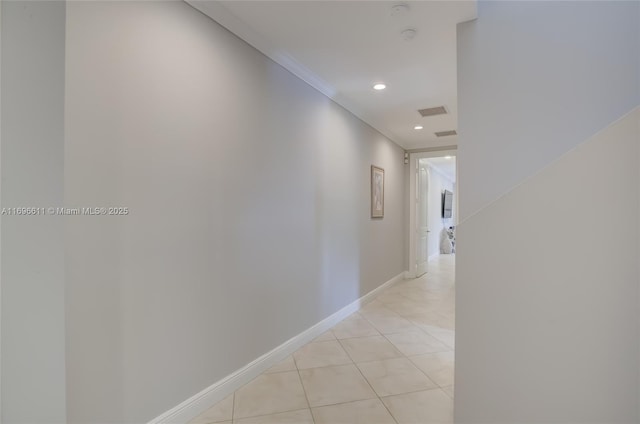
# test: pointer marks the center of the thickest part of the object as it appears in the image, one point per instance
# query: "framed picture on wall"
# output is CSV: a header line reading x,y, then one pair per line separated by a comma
x,y
377,192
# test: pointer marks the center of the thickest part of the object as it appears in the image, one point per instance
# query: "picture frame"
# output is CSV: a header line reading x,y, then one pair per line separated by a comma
x,y
377,192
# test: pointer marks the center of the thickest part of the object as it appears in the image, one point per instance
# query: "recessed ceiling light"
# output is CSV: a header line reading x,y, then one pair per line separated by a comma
x,y
379,86
447,157
417,127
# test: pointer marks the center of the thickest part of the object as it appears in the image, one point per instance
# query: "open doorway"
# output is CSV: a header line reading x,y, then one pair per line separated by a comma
x,y
430,284
432,206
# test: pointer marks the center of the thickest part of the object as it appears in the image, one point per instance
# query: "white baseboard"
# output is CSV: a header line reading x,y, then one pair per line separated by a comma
x,y
409,275
200,402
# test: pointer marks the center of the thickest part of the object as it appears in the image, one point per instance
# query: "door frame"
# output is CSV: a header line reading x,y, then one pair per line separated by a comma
x,y
417,209
413,162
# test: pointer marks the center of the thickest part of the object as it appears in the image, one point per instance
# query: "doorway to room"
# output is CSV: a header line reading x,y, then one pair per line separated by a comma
x,y
432,206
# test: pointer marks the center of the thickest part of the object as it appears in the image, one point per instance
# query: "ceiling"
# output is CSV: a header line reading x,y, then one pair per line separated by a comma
x,y
343,48
445,166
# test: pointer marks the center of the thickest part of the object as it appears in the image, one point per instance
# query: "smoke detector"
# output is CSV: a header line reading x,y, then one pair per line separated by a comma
x,y
400,9
408,34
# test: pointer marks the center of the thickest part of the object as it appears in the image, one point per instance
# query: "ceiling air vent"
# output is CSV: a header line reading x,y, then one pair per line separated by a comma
x,y
433,111
446,133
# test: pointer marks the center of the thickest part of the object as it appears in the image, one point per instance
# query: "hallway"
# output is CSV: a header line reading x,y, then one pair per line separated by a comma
x,y
391,362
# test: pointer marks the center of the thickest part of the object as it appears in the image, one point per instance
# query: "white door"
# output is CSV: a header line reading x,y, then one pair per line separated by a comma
x,y
422,190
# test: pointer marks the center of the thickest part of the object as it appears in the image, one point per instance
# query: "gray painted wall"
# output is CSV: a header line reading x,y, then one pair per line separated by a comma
x,y
547,288
249,207
32,169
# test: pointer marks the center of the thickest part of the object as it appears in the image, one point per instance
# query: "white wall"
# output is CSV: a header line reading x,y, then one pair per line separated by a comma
x,y
32,271
546,76
437,183
547,276
547,293
249,198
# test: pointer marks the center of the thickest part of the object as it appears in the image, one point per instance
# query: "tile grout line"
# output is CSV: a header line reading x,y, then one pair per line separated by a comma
x,y
376,393
233,406
360,362
304,390
425,373
359,337
409,359
415,391
370,386
266,415
273,413
399,332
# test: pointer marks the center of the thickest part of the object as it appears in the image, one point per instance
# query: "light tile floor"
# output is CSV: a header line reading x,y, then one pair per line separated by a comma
x,y
391,362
